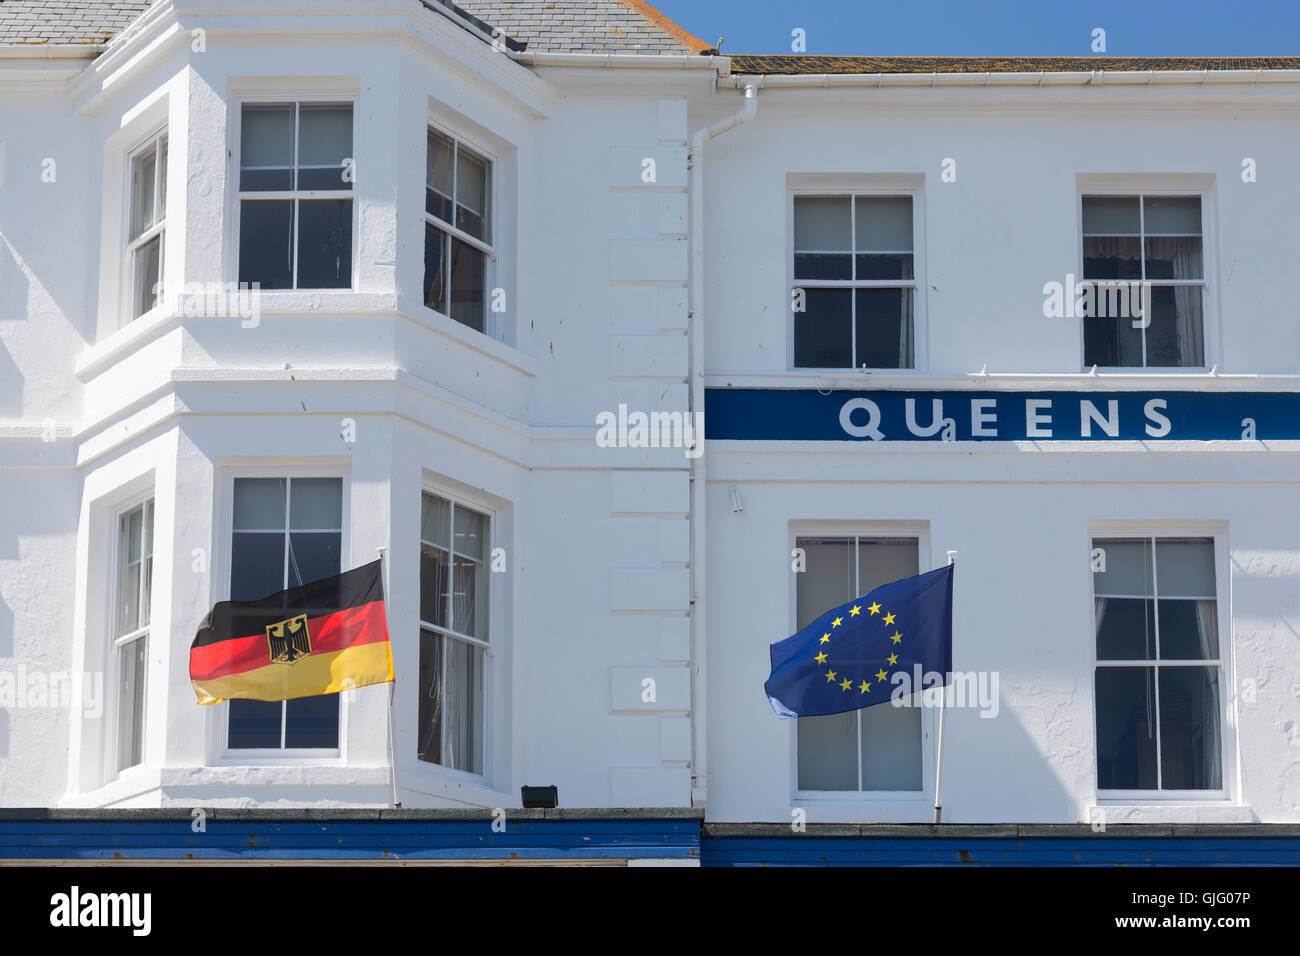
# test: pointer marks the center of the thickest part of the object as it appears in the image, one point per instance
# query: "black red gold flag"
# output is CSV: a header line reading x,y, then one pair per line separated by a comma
x,y
321,638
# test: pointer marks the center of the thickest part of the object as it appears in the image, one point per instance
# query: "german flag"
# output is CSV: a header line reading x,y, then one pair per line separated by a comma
x,y
320,638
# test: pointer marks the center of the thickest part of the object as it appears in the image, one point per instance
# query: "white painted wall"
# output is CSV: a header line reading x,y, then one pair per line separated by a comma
x,y
597,596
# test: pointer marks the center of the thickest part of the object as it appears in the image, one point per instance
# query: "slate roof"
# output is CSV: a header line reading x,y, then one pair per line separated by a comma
x,y
65,22
586,26
792,64
553,26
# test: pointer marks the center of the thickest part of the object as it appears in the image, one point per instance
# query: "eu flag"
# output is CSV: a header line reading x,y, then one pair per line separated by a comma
x,y
844,660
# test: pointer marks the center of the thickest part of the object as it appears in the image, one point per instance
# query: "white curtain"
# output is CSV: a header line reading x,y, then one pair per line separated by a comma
x,y
905,333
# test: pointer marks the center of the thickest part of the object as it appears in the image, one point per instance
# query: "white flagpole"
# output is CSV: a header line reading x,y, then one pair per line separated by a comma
x,y
943,706
392,685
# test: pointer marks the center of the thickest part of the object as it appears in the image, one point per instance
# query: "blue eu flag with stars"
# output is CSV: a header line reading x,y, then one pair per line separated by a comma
x,y
844,660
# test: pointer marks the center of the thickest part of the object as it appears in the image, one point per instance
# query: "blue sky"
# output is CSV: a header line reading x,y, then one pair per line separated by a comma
x,y
997,27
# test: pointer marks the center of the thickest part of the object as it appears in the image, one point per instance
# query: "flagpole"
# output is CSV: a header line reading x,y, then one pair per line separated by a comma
x,y
392,685
943,706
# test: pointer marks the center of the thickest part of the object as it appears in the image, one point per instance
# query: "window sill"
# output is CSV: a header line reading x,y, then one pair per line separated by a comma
x,y
468,789
130,336
481,342
130,784
1174,811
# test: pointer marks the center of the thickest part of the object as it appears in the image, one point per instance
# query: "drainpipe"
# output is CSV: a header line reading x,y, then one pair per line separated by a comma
x,y
695,348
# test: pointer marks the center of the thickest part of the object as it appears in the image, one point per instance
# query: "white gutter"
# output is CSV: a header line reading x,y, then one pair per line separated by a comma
x,y
695,349
1041,78
614,60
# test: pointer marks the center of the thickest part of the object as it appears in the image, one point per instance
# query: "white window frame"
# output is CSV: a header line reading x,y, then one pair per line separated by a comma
x,y
916,283
116,644
485,703
904,799
131,247
296,99
220,729
491,325
1227,721
1209,261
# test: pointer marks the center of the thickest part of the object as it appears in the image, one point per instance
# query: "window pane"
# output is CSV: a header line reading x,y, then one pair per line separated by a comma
x,y
1174,258
316,504
891,747
468,268
828,758
1107,257
1126,629
1171,215
473,193
823,333
885,266
266,243
1189,729
823,265
1126,743
883,223
429,720
1128,569
260,504
1185,567
145,288
254,723
469,604
266,140
463,732
435,269
1189,630
435,520
314,555
324,139
162,181
325,244
884,320
1111,343
256,565
143,180
146,562
130,532
1111,215
438,176
312,722
471,533
130,711
435,579
1174,337
882,560
828,578
822,224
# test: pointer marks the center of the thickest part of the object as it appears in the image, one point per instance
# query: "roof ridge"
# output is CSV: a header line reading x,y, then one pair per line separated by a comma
x,y
669,26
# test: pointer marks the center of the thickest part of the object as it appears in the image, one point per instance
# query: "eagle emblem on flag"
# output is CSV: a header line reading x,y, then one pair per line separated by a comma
x,y
290,641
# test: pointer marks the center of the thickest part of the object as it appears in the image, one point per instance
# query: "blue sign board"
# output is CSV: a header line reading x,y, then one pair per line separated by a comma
x,y
775,414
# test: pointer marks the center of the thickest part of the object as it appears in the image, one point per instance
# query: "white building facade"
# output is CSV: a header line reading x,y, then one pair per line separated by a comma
x,y
279,292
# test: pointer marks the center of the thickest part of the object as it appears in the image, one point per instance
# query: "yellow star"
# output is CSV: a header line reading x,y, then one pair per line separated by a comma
x,y
853,611
880,674
821,658
830,677
893,659
846,684
874,609
896,638
826,639
889,619
866,688
836,623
